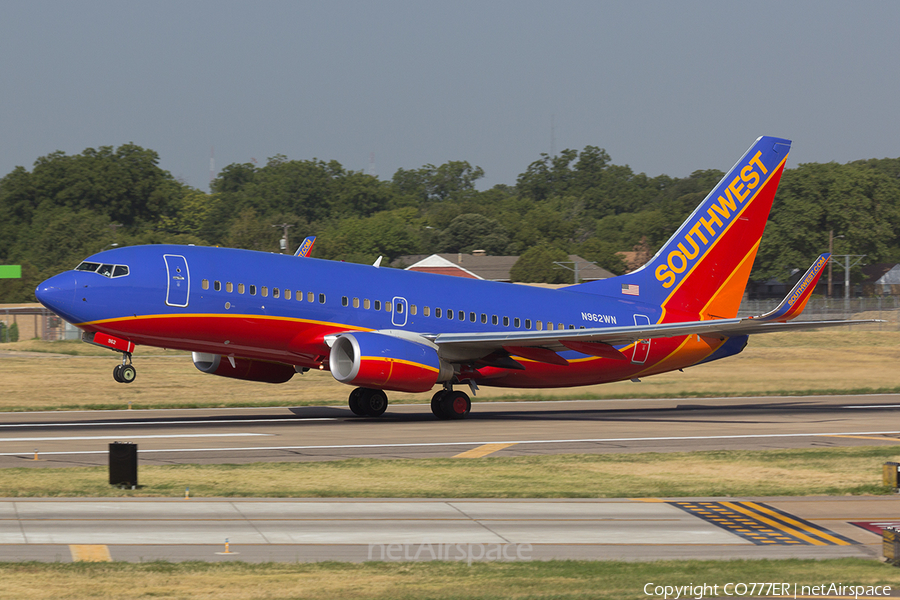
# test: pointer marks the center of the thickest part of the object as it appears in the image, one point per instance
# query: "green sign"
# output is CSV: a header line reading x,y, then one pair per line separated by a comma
x,y
10,272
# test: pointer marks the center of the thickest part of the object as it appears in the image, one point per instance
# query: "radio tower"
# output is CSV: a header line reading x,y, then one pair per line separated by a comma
x,y
212,165
372,164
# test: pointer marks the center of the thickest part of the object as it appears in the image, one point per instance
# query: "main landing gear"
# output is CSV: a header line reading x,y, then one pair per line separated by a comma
x,y
446,404
125,373
365,402
449,404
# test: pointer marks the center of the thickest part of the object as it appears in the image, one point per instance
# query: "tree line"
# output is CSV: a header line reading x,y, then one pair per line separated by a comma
x,y
577,202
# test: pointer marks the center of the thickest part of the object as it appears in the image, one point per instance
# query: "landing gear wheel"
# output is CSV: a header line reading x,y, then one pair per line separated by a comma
x,y
436,404
117,373
454,405
127,373
373,402
355,406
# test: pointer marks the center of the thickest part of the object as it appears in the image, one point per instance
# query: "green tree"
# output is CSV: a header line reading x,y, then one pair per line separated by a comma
x,y
472,231
536,266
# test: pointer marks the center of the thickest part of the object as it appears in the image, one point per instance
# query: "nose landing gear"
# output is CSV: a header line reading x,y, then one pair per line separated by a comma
x,y
125,373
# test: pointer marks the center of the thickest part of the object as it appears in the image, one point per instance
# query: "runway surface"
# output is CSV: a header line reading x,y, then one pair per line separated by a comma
x,y
468,530
464,529
411,431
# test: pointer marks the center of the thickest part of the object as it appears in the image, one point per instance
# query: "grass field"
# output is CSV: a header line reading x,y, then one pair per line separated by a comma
x,y
68,375
827,471
428,580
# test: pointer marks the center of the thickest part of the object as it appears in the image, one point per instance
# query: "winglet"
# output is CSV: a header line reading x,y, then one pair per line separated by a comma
x,y
794,303
305,248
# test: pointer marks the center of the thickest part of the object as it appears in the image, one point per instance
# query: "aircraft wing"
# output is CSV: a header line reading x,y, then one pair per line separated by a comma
x,y
599,340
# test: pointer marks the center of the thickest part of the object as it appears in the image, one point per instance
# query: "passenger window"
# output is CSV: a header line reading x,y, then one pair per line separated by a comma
x,y
377,305
561,326
472,317
287,294
399,308
527,323
205,284
310,297
412,309
550,325
356,303
388,307
426,311
299,296
217,285
450,313
506,321
120,271
517,323
240,288
345,301
540,325
494,320
437,313
252,290
571,327
367,304
321,298
275,292
462,315
264,291
229,287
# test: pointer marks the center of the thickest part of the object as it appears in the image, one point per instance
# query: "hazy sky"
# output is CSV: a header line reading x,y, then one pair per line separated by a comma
x,y
665,87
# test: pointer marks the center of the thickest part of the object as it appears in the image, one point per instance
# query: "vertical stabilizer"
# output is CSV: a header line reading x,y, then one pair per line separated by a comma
x,y
701,272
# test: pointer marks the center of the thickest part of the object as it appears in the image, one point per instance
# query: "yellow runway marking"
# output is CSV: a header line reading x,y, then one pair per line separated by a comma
x,y
483,450
90,553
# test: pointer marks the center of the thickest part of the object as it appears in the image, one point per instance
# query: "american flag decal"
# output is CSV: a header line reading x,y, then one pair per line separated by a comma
x,y
631,289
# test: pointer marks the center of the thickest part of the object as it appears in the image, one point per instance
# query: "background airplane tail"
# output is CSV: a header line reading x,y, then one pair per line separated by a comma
x,y
702,270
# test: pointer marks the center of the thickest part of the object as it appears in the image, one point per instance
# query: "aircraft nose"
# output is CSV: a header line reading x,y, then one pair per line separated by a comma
x,y
58,294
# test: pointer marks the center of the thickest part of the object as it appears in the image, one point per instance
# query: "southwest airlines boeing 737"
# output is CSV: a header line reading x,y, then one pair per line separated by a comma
x,y
264,317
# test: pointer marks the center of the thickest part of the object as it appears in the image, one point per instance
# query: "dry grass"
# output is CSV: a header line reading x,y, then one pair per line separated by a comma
x,y
772,364
829,471
438,580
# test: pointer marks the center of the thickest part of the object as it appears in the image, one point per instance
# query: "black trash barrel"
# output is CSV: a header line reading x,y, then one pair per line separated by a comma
x,y
123,464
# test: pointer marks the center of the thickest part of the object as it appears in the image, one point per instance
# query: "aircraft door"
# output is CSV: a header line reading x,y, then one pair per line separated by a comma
x,y
179,280
401,308
641,347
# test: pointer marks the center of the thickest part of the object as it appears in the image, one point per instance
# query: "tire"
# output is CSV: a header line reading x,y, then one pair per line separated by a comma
x,y
374,402
355,406
455,405
127,374
117,373
436,405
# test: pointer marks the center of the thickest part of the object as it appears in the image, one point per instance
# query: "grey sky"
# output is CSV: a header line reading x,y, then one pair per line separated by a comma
x,y
665,87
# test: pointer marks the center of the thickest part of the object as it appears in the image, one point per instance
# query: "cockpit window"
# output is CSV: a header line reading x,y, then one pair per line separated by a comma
x,y
105,270
87,266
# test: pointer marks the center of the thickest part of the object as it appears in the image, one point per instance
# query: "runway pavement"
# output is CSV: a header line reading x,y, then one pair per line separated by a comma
x,y
468,530
411,431
464,529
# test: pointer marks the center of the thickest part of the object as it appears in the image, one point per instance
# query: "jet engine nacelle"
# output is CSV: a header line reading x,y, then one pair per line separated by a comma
x,y
386,362
244,368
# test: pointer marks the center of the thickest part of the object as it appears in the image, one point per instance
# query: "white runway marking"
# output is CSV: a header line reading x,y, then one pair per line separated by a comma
x,y
874,406
469,442
211,421
130,437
